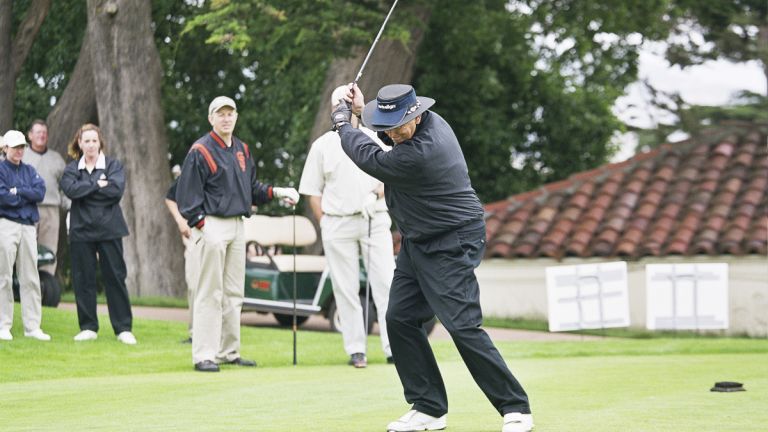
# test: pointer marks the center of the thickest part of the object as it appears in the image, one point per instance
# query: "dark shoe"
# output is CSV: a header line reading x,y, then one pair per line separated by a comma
x,y
206,366
390,360
241,362
187,340
358,360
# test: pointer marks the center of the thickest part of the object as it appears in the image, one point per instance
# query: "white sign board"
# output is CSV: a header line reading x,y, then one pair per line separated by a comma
x,y
587,296
687,296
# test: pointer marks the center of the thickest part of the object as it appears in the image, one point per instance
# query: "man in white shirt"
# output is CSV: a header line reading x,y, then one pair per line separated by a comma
x,y
50,165
350,208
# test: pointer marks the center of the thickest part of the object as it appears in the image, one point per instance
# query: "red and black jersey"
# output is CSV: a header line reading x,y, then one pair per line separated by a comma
x,y
219,180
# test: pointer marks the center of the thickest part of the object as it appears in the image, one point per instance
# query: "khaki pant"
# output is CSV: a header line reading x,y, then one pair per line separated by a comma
x,y
18,246
218,251
190,276
48,232
344,238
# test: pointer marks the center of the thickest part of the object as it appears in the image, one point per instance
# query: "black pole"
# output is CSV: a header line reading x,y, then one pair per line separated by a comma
x,y
295,362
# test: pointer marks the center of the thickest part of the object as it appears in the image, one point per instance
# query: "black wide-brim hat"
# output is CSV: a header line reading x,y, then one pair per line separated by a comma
x,y
395,105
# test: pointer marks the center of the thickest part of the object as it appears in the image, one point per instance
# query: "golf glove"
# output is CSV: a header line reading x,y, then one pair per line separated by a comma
x,y
369,206
287,194
341,115
372,205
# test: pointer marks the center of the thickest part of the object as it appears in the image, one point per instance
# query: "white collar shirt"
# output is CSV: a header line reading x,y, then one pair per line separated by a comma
x,y
101,162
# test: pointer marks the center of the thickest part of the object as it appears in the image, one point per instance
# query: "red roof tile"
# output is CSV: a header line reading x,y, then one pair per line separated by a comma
x,y
706,195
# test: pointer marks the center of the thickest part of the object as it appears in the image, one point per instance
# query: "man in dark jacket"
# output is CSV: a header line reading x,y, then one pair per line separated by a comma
x,y
21,188
430,197
215,190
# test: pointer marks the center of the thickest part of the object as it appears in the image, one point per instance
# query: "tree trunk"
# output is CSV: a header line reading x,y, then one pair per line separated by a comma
x,y
391,63
127,74
14,51
7,80
76,106
27,33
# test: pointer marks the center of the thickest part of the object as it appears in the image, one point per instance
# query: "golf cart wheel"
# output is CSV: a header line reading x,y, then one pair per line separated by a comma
x,y
333,315
287,320
50,290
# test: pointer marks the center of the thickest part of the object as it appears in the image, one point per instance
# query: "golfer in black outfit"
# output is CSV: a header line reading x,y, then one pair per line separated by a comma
x,y
429,195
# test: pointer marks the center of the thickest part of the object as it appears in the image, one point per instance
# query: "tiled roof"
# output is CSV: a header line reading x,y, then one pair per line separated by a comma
x,y
703,196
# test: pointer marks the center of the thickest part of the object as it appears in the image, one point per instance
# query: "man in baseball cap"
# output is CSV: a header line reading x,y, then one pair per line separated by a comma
x,y
220,102
216,189
21,188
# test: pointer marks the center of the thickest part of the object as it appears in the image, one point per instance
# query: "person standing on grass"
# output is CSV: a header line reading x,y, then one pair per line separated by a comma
x,y
438,213
21,188
216,189
50,165
95,183
349,206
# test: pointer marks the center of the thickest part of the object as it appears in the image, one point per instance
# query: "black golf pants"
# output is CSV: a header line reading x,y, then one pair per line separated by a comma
x,y
113,271
437,278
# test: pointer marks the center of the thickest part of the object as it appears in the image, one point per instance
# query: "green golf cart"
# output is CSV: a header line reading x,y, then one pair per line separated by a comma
x,y
269,278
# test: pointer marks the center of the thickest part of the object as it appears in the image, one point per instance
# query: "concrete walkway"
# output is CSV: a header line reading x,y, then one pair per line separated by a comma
x,y
319,323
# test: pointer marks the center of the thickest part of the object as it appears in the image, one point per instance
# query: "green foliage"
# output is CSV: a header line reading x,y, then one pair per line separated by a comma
x,y
730,29
528,86
271,56
746,107
45,73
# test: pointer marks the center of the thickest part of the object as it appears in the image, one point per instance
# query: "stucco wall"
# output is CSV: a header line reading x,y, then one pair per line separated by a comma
x,y
517,288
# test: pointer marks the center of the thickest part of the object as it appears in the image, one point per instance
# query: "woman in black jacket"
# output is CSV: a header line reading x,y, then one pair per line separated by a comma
x,y
95,184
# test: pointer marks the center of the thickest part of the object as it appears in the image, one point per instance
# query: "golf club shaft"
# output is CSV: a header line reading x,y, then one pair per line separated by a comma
x,y
375,41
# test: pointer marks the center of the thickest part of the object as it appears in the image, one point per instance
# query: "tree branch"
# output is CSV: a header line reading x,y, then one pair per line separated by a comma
x,y
27,32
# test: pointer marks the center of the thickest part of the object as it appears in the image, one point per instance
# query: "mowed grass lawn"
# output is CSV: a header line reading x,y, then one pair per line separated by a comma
x,y
604,385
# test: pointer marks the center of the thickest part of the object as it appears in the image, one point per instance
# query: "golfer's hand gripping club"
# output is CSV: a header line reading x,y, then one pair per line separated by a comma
x,y
341,115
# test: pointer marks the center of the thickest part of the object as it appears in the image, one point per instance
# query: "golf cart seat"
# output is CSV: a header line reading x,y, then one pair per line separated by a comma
x,y
278,231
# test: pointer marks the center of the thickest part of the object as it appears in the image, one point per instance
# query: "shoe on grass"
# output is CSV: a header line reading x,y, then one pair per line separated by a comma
x,y
5,334
517,422
38,334
206,366
358,360
127,338
417,421
86,335
241,362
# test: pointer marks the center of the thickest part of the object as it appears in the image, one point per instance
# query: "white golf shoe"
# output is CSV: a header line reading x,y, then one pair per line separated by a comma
x,y
517,422
127,338
5,334
38,334
417,421
86,335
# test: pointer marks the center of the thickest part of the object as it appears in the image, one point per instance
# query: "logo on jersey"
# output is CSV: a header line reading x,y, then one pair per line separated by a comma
x,y
241,160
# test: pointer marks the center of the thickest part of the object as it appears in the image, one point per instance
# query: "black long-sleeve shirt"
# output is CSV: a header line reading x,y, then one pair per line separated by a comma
x,y
219,180
426,181
95,214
